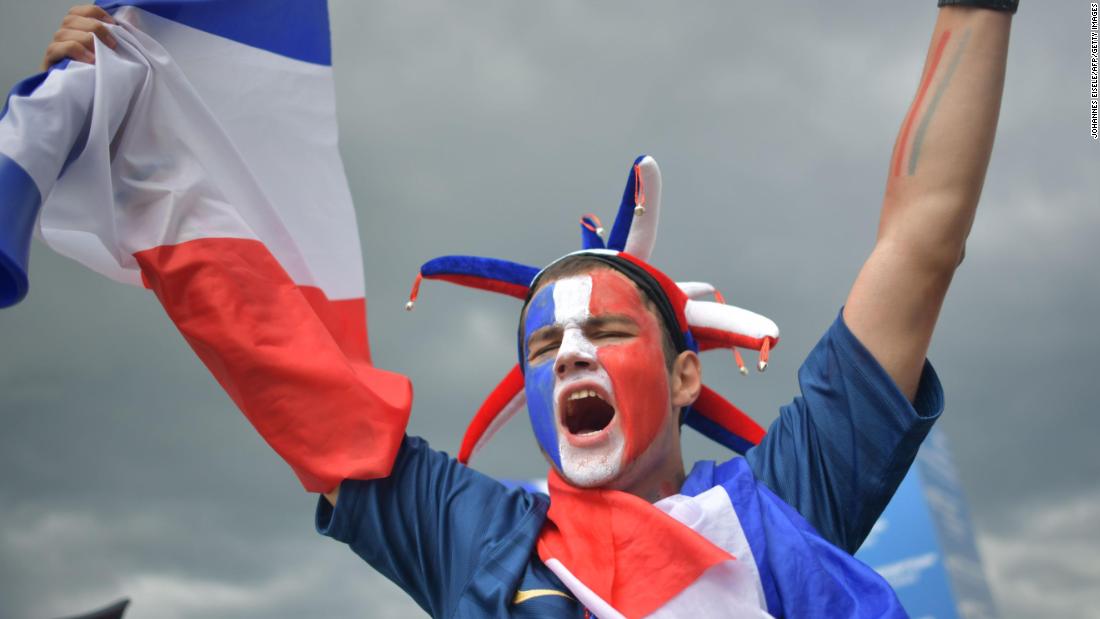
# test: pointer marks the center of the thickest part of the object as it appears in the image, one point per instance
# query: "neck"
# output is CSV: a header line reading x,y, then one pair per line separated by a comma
x,y
655,488
656,473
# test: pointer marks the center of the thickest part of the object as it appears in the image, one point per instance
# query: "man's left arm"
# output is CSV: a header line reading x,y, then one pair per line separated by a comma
x,y
935,180
838,452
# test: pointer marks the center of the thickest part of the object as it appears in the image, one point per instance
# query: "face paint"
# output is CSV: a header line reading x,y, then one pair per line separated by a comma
x,y
539,379
594,457
637,367
603,343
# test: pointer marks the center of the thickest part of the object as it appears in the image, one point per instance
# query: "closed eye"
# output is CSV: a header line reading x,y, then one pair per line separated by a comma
x,y
611,327
543,341
543,350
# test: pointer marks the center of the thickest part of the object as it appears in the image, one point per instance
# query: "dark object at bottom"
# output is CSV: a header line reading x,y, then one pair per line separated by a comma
x,y
114,611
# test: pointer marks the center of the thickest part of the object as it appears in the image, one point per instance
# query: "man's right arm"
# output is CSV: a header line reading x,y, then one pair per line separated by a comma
x,y
75,40
430,525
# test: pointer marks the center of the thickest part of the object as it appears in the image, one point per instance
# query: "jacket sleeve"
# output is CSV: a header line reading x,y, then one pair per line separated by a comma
x,y
839,450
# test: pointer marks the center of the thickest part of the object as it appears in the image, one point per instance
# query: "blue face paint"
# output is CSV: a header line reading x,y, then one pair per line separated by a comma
x,y
539,378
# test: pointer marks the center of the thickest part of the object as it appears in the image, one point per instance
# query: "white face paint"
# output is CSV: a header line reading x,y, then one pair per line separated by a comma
x,y
593,459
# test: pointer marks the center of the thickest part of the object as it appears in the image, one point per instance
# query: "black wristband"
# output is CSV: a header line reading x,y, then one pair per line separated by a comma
x,y
996,5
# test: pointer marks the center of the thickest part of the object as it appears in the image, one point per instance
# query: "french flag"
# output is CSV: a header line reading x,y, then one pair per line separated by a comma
x,y
625,558
723,547
200,159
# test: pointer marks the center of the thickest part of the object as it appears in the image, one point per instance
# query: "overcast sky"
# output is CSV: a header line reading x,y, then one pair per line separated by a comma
x,y
488,128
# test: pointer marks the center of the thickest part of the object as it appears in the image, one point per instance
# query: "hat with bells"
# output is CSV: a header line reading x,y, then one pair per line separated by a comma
x,y
695,323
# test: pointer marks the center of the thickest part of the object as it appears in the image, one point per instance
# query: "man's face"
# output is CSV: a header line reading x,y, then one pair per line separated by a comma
x,y
596,380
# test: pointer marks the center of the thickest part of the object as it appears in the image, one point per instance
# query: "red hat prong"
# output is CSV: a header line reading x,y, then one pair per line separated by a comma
x,y
706,325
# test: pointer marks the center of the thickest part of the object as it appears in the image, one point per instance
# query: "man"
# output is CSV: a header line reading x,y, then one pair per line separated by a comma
x,y
462,545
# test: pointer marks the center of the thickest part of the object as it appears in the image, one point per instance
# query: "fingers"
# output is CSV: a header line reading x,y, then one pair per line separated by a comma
x,y
67,49
74,24
76,37
92,11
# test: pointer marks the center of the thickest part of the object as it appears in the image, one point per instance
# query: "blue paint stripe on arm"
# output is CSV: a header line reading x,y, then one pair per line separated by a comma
x,y
293,28
19,203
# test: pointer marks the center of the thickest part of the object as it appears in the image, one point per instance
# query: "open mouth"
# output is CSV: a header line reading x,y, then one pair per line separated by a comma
x,y
586,412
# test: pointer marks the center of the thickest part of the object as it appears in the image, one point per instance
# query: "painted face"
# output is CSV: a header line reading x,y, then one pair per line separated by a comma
x,y
596,381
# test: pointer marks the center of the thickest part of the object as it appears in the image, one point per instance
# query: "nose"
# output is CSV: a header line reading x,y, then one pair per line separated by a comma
x,y
570,363
576,353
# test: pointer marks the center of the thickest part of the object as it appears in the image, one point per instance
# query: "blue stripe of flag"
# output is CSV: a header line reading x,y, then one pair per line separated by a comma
x,y
293,28
19,202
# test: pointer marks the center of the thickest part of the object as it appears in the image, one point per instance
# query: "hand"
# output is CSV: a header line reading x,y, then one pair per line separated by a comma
x,y
76,37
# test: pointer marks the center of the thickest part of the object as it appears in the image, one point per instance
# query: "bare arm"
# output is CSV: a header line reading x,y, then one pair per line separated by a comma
x,y
935,180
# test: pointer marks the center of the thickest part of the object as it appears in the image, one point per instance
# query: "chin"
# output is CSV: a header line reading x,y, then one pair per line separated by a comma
x,y
591,467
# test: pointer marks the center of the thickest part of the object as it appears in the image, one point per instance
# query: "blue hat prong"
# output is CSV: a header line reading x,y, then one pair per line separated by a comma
x,y
706,325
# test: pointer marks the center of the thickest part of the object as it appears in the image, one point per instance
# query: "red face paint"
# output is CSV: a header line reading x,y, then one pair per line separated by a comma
x,y
636,365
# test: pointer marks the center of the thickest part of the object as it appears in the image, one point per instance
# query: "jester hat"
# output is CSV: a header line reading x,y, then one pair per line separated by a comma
x,y
693,322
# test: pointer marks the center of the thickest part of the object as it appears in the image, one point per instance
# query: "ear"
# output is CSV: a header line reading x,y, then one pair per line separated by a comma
x,y
686,379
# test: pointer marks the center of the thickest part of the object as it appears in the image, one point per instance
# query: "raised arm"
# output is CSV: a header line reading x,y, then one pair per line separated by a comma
x,y
932,190
838,452
298,354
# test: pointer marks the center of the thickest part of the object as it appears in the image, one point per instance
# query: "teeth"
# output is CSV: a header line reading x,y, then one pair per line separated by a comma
x,y
583,393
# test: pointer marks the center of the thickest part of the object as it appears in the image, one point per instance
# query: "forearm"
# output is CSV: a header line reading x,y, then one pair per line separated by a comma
x,y
935,179
943,147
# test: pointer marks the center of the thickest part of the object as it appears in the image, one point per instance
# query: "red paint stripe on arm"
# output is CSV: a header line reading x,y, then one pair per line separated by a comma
x,y
899,148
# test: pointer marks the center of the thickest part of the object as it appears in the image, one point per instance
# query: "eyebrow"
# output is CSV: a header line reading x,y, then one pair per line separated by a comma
x,y
592,322
609,319
543,331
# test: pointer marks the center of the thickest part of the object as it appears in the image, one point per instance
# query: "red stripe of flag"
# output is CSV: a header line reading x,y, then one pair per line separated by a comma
x,y
619,546
296,363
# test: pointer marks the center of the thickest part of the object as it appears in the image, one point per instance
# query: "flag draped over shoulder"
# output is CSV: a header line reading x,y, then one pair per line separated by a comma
x,y
726,546
623,557
200,159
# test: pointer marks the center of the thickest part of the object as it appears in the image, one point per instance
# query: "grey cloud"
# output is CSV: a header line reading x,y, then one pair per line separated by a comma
x,y
488,129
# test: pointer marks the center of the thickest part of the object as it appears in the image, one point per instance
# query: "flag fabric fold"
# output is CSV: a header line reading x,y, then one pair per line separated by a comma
x,y
725,546
606,546
199,158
